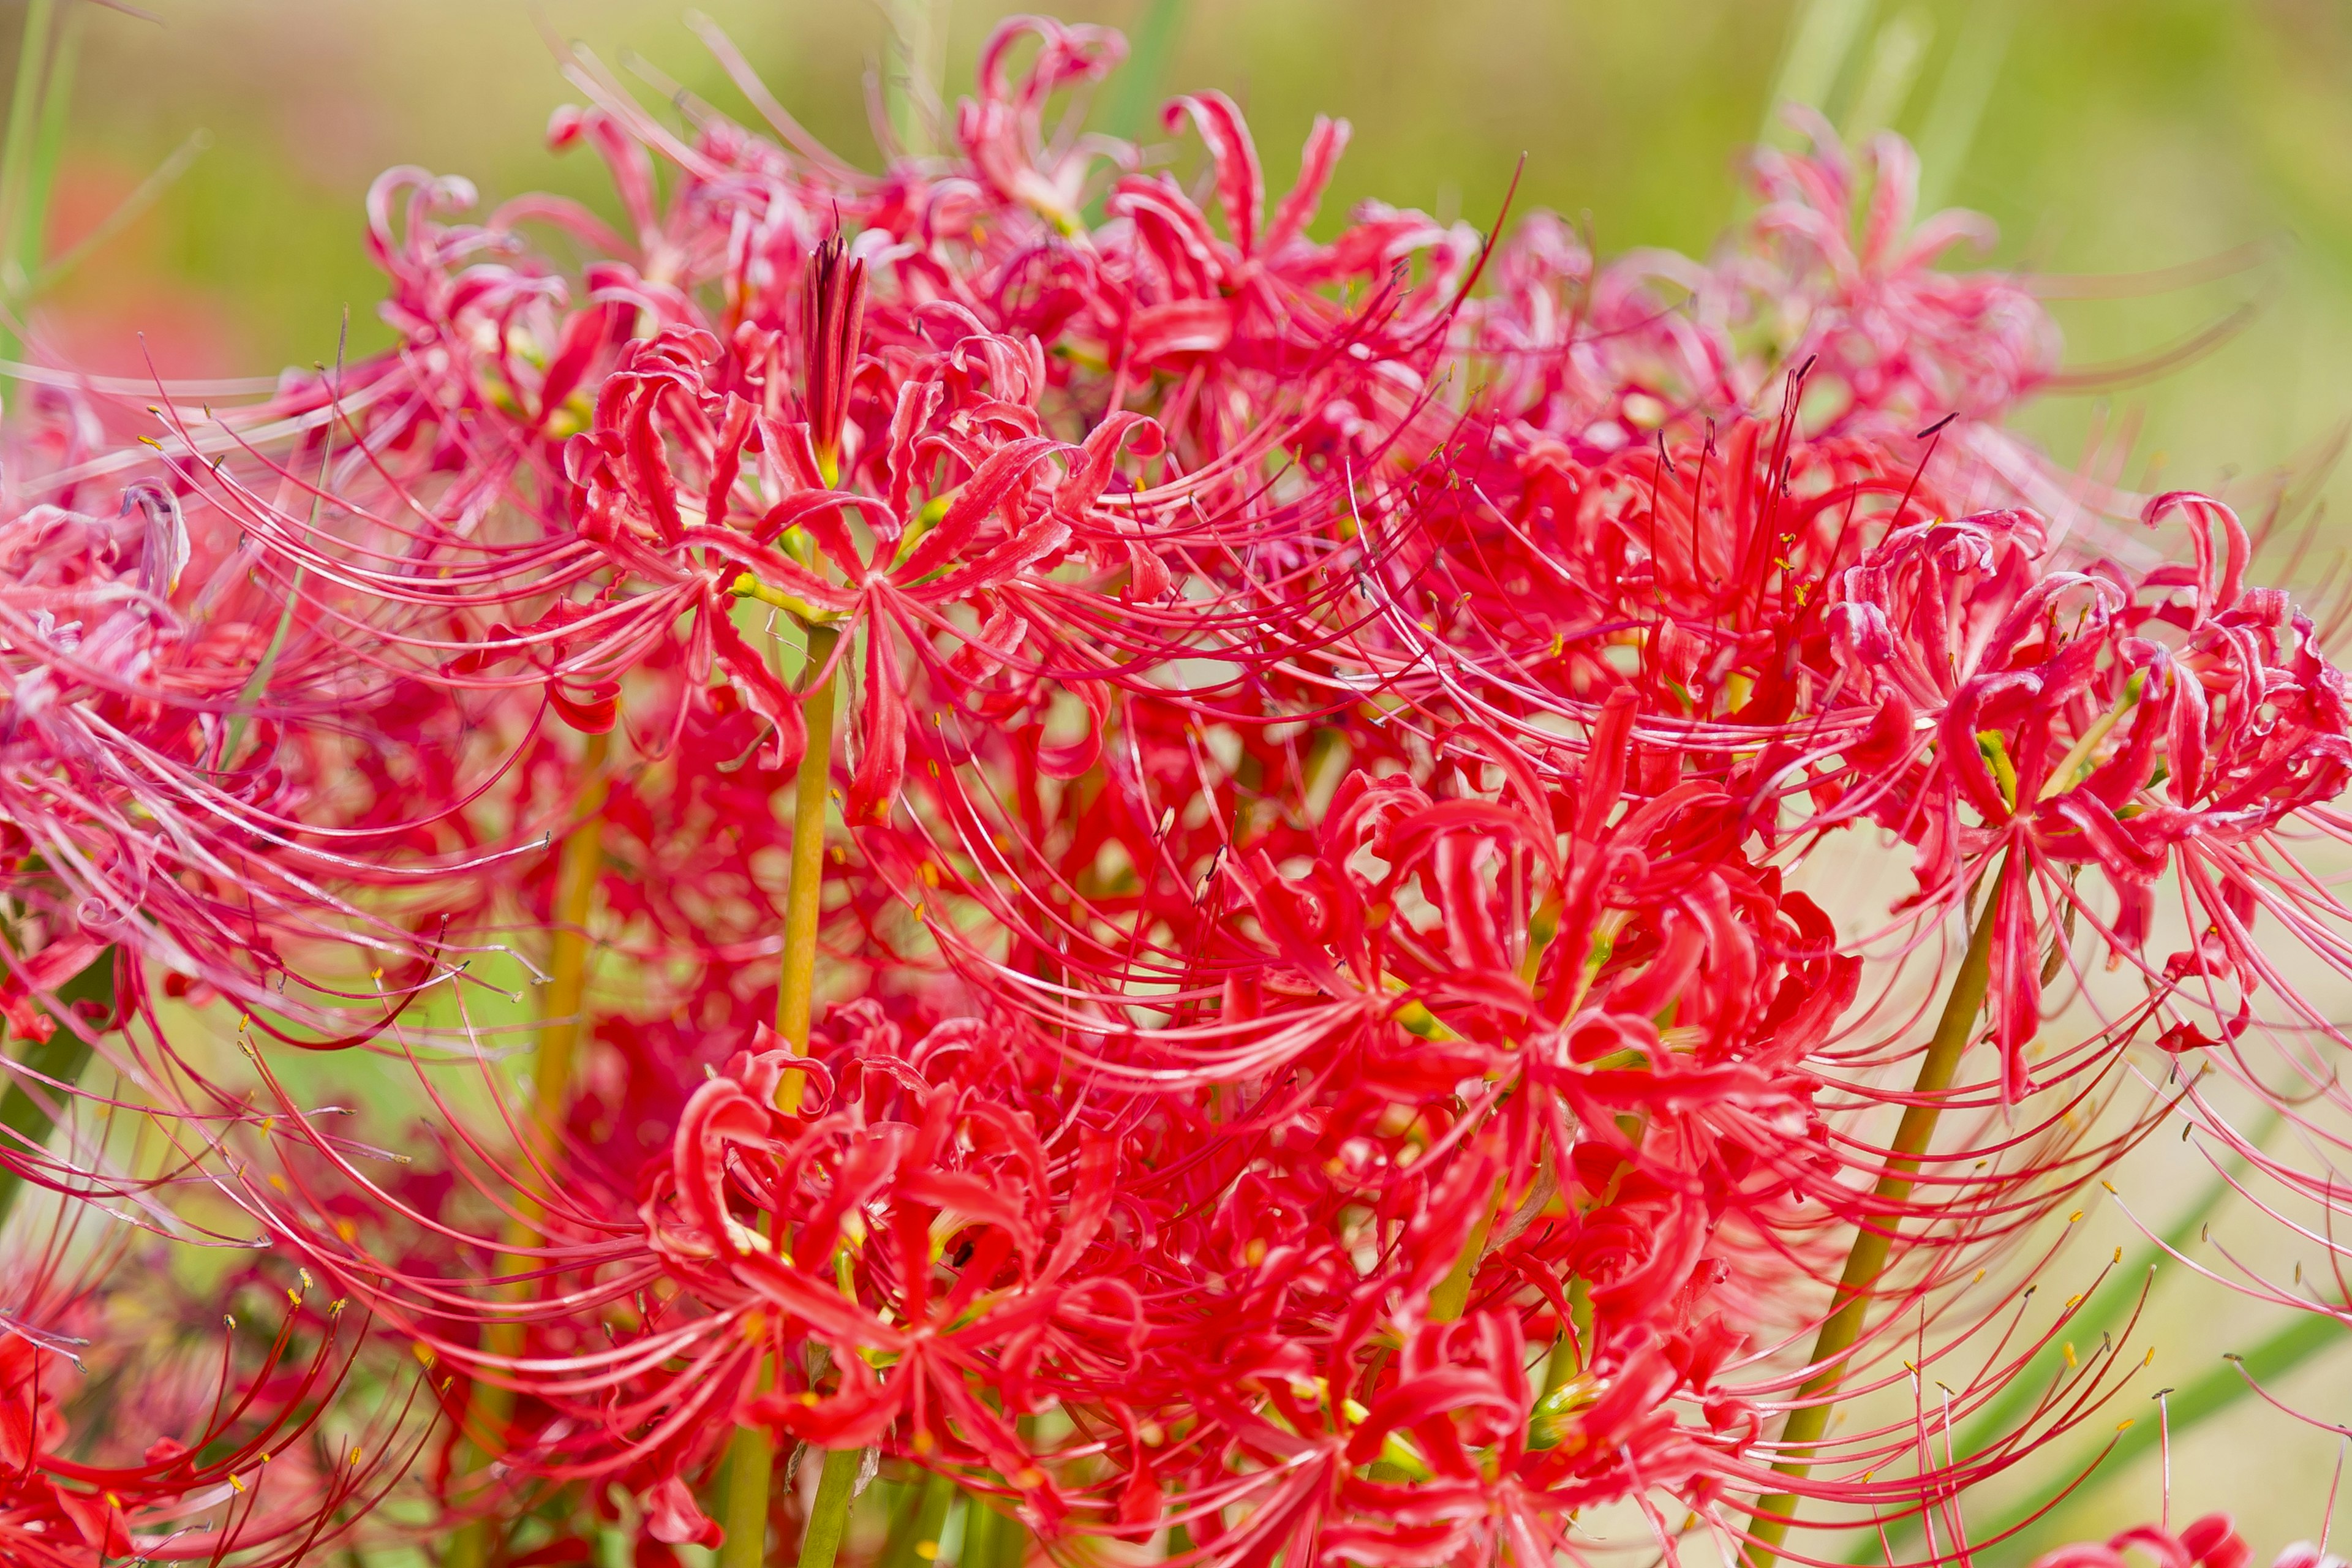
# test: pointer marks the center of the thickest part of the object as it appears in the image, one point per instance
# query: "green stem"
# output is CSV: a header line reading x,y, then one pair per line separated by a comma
x,y
1451,1295
828,1519
796,985
914,42
1007,1539
750,1460
1147,62
1875,1242
751,1453
1567,1352
914,1535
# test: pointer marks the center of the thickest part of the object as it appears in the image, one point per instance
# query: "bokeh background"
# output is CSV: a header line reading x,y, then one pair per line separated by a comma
x,y
2119,143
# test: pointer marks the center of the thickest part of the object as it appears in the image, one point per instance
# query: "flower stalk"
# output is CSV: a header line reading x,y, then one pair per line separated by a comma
x,y
1874,1241
915,1535
751,1452
832,310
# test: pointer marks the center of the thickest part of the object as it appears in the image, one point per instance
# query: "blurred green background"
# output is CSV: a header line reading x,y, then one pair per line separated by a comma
x,y
2105,136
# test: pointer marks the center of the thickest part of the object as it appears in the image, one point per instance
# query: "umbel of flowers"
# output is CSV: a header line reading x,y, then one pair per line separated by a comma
x,y
1166,868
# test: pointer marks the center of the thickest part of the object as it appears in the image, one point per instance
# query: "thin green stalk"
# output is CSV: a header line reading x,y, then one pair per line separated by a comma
x,y
828,1519
915,1534
580,865
1565,1363
796,986
54,269
914,71
63,1057
981,1523
1005,1542
750,1454
1875,1242
1895,55
751,1462
1450,1296
1962,90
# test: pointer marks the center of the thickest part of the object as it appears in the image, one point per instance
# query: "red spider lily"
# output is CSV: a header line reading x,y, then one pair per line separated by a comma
x,y
1806,640
966,507
2082,718
1309,1011
1000,128
960,296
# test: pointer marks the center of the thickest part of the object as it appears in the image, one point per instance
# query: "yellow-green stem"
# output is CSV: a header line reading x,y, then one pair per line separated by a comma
x,y
980,1524
31,234
1451,1295
1875,1242
751,1453
580,864
750,1460
828,1519
796,986
1567,1352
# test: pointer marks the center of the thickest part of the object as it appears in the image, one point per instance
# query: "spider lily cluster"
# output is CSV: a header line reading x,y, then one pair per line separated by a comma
x,y
1169,868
